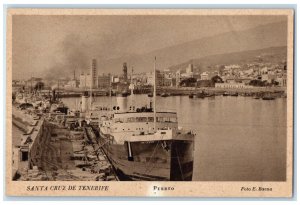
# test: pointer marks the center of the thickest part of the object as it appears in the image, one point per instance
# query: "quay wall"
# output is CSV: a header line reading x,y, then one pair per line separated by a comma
x,y
178,90
190,90
23,121
20,124
28,153
41,139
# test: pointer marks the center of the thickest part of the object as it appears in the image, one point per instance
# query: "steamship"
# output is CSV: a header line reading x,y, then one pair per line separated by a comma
x,y
143,144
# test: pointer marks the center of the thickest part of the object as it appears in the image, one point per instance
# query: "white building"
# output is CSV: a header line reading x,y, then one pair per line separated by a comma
x,y
159,78
189,69
89,80
178,78
115,79
85,81
232,85
230,67
71,84
204,76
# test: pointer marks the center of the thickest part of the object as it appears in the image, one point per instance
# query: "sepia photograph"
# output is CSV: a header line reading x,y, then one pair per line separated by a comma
x,y
167,96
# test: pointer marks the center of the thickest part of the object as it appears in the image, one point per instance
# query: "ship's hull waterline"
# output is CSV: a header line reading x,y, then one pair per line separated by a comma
x,y
163,160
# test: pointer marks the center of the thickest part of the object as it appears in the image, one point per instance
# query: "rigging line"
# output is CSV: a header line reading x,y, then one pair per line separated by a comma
x,y
179,164
147,168
148,164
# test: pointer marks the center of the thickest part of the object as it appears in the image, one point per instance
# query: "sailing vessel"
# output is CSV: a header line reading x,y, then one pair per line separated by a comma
x,y
143,144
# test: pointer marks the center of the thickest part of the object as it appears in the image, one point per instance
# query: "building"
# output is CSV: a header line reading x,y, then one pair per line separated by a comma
x,y
168,82
232,67
125,75
281,80
115,79
104,81
190,69
93,74
72,84
85,81
204,76
230,80
159,78
232,85
33,81
178,78
268,77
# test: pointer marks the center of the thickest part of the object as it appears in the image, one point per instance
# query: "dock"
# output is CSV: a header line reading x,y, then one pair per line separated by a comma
x,y
50,151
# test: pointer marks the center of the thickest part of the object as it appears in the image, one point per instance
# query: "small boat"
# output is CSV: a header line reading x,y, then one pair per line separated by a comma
x,y
284,95
234,94
268,96
257,96
226,94
191,95
164,95
123,94
150,95
209,95
200,95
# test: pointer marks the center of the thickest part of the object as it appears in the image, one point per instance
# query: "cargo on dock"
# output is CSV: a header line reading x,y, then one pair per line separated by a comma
x,y
53,152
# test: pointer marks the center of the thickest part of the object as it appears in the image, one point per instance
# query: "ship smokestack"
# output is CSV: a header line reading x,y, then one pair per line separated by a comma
x,y
84,102
121,104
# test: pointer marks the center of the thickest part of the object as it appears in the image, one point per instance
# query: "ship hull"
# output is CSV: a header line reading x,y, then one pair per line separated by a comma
x,y
164,160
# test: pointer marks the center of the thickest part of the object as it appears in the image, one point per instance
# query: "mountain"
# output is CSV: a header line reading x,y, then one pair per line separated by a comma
x,y
264,36
270,55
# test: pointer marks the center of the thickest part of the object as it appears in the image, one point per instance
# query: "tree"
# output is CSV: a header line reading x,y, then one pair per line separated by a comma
x,y
39,86
189,82
259,83
217,79
205,83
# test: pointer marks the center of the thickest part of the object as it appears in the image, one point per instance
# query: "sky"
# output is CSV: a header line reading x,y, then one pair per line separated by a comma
x,y
54,46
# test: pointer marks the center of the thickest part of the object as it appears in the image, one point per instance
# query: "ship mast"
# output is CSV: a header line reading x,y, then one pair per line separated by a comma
x,y
84,81
91,96
154,94
57,90
110,105
131,84
31,84
131,89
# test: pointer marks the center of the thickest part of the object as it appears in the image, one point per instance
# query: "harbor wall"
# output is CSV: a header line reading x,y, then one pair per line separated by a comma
x,y
40,141
178,90
189,90
27,154
22,121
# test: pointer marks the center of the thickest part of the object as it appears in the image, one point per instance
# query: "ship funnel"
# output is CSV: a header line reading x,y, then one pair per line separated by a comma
x,y
121,104
84,102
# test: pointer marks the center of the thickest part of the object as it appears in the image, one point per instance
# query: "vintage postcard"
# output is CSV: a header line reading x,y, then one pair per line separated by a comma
x,y
149,102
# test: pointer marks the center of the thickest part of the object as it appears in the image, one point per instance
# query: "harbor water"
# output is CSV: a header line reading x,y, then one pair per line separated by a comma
x,y
237,138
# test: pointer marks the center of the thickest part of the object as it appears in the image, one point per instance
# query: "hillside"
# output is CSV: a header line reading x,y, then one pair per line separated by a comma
x,y
272,55
266,36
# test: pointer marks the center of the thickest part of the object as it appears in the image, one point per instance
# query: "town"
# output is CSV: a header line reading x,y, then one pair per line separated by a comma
x,y
253,77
